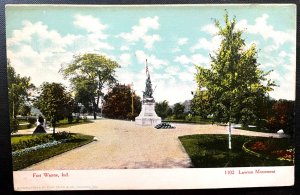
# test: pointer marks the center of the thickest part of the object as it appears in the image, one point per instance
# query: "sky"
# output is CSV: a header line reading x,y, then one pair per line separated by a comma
x,y
173,39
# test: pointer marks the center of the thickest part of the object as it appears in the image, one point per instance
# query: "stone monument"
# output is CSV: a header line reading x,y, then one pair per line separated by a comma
x,y
148,117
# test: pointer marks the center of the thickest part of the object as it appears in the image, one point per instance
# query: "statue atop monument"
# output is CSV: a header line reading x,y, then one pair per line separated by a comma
x,y
147,94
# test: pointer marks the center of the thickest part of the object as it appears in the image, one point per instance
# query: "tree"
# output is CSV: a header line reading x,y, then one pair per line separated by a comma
x,y
200,104
264,111
25,110
282,116
178,110
89,74
234,83
19,89
54,102
163,109
83,96
118,103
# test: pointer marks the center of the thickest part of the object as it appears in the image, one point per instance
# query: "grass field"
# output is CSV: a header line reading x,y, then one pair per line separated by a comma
x,y
65,123
194,120
207,151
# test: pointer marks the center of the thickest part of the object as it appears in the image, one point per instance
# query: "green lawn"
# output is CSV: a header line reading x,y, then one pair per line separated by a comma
x,y
32,157
207,151
65,123
195,120
18,138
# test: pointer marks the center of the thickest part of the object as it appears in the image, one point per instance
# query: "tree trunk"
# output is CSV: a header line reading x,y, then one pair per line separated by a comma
x,y
95,115
229,136
53,125
94,109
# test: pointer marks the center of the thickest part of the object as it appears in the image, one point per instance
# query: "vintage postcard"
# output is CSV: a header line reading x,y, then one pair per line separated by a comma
x,y
151,96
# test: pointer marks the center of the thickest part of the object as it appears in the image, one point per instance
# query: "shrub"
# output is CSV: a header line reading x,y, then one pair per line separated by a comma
x,y
188,117
283,116
62,135
41,139
273,124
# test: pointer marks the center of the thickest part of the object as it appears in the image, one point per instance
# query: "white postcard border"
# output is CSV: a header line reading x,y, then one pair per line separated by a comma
x,y
125,179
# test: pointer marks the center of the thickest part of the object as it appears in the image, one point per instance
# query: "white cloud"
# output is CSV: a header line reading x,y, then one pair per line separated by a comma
x,y
197,59
37,51
125,59
284,75
152,60
95,39
40,66
210,45
40,33
124,48
172,70
140,32
183,59
179,92
150,39
286,82
182,41
185,76
283,54
267,31
210,29
92,25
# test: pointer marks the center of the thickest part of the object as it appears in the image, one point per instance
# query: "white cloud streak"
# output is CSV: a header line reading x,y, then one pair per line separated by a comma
x,y
92,25
141,32
153,61
267,31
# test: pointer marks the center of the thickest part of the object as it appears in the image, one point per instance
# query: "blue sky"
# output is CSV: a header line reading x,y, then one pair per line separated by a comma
x,y
40,39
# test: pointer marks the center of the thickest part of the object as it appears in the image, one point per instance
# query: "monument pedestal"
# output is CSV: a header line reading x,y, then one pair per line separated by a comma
x,y
148,117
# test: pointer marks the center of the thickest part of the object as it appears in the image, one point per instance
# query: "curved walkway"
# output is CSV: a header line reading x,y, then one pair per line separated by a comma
x,y
122,144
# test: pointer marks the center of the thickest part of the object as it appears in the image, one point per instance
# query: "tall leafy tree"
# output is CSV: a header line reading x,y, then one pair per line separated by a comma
x,y
234,82
163,109
89,74
178,110
118,103
55,102
19,91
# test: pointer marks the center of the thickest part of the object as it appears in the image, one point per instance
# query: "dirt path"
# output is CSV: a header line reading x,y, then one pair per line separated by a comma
x,y
122,144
